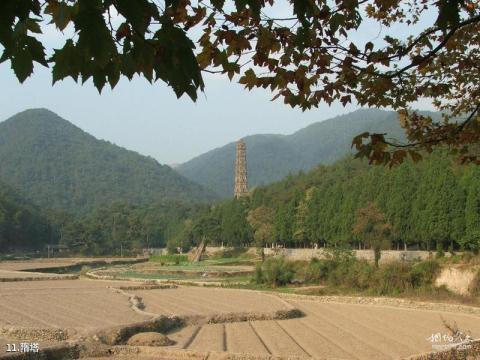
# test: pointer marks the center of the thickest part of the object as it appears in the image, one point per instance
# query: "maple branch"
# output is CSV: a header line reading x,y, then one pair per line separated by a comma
x,y
434,141
433,52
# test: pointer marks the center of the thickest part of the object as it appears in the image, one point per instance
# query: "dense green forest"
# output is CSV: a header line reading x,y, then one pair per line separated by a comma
x,y
432,204
123,228
22,226
272,157
58,166
103,200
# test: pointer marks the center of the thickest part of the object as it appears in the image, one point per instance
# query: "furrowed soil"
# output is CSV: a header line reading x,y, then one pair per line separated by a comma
x,y
209,301
331,331
13,275
76,304
223,323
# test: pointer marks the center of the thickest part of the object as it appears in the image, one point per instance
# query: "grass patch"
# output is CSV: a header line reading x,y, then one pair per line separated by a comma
x,y
251,285
233,261
140,275
169,259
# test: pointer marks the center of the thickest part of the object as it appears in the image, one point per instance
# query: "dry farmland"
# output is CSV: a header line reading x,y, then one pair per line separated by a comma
x,y
333,329
330,330
186,301
70,304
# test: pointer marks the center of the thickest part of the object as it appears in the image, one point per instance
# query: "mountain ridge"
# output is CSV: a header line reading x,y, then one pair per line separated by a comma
x,y
57,165
270,157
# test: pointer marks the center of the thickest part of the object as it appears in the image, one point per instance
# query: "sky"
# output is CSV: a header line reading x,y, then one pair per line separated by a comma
x,y
150,119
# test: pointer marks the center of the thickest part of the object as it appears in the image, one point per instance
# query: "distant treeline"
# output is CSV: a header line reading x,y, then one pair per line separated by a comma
x,y
123,227
22,225
433,204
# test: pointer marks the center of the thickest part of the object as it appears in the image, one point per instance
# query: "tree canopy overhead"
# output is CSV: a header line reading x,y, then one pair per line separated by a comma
x,y
315,54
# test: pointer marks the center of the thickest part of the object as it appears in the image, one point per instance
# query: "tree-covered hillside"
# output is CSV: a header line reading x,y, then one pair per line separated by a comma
x,y
431,204
58,166
22,226
272,157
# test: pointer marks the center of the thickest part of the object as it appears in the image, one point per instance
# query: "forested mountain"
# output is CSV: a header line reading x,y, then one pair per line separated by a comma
x,y
22,226
434,203
271,157
58,166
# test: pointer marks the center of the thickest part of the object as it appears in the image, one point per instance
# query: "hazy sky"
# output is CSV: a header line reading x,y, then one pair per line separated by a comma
x,y
151,120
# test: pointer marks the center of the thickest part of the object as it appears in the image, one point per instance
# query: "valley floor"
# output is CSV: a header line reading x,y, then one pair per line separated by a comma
x,y
223,323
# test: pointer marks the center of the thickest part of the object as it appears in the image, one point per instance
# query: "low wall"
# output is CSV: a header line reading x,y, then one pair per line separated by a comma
x,y
309,253
387,255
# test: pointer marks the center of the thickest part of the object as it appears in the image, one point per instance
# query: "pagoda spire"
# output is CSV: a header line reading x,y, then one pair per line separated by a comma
x,y
241,182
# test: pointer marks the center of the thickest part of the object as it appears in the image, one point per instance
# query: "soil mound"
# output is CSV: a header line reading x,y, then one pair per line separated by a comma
x,y
149,339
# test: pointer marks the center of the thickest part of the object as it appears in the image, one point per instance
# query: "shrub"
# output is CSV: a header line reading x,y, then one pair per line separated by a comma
x,y
424,273
172,247
349,272
360,275
339,270
392,278
314,272
450,249
440,253
85,269
274,272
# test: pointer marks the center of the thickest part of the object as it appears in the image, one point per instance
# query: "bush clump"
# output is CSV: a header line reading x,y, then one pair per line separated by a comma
x,y
424,273
348,272
274,272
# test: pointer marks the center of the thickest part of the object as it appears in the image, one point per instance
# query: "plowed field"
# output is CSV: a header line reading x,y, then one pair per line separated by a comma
x,y
329,330
63,304
208,301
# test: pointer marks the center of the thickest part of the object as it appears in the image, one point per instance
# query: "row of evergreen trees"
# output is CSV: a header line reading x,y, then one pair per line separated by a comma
x,y
434,204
